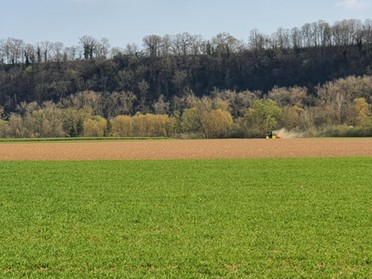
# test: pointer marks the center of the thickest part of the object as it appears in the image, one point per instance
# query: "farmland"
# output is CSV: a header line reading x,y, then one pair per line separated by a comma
x,y
186,149
294,217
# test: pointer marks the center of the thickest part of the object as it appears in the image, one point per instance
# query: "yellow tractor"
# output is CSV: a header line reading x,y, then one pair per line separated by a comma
x,y
271,135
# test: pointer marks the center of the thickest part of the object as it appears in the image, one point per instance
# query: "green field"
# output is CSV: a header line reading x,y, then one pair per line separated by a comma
x,y
258,218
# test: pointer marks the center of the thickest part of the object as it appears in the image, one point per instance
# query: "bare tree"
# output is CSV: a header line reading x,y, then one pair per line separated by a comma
x,y
45,48
281,38
224,43
131,49
116,51
72,52
165,46
29,53
367,29
152,44
185,41
89,45
257,40
13,50
176,44
161,106
58,51
346,32
325,33
102,49
2,52
314,34
306,35
118,103
198,45
287,97
297,41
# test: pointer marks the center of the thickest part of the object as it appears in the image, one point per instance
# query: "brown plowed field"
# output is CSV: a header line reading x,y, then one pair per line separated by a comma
x,y
186,149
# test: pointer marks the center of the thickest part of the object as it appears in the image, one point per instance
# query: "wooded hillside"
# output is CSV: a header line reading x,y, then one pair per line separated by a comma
x,y
319,73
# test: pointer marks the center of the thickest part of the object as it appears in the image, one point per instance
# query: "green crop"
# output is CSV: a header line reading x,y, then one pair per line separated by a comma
x,y
273,218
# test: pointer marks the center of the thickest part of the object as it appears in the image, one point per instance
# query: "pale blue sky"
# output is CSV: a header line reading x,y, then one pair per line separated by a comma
x,y
128,21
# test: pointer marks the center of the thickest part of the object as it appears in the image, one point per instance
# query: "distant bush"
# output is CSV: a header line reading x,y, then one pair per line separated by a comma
x,y
346,131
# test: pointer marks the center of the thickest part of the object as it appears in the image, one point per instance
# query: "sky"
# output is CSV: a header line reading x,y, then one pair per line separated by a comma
x,y
129,21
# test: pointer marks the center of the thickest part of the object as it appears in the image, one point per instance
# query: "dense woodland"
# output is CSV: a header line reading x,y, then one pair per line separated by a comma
x,y
315,80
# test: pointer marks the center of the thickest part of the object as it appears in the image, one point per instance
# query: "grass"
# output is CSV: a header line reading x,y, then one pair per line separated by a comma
x,y
273,218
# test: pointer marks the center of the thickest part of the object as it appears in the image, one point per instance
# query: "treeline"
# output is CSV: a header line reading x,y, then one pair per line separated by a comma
x,y
316,34
172,66
314,79
338,108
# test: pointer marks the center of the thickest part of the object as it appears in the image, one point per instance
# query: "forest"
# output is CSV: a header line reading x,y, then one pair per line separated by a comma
x,y
314,80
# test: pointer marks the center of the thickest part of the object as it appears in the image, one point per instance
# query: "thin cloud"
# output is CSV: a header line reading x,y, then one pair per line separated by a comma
x,y
353,5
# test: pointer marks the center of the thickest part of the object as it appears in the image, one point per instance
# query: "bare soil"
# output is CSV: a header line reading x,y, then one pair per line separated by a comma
x,y
187,149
